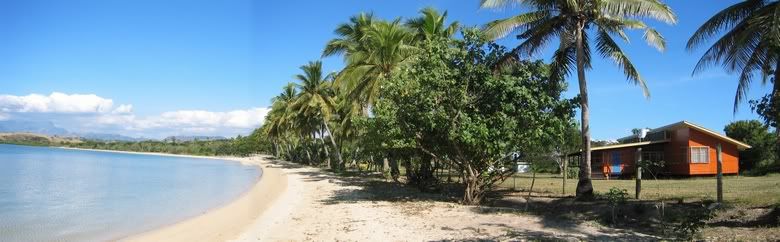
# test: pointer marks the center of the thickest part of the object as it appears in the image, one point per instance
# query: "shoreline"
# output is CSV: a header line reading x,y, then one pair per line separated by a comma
x,y
225,222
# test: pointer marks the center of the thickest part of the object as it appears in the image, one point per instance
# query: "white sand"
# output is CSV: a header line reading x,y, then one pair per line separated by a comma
x,y
296,203
318,206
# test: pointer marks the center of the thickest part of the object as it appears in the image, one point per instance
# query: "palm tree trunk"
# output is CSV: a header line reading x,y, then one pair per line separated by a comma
x,y
776,102
584,186
336,149
308,154
325,147
385,165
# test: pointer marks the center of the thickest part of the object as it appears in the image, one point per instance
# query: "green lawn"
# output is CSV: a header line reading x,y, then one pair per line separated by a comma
x,y
738,190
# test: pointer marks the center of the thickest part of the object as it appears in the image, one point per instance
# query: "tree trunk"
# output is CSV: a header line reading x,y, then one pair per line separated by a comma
x,y
584,186
290,152
385,165
336,149
776,103
325,147
395,171
473,193
308,155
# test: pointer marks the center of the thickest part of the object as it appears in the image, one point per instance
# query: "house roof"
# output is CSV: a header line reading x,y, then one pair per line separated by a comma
x,y
616,146
740,145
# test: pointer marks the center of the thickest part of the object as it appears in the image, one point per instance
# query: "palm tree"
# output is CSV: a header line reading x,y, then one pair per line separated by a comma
x,y
350,36
316,100
432,25
571,22
384,47
751,44
278,119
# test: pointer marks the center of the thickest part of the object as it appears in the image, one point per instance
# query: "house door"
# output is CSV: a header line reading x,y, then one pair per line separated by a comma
x,y
615,167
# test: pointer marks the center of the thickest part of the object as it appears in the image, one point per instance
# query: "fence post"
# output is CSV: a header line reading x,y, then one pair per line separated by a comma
x,y
638,173
720,174
565,172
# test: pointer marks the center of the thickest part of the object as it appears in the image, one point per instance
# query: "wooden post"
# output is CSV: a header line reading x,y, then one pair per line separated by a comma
x,y
720,174
638,173
565,173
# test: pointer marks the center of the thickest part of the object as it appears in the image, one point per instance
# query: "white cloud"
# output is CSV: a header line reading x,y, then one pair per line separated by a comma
x,y
124,108
191,119
92,114
55,103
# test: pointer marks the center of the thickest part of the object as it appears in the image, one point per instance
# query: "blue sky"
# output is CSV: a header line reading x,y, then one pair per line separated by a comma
x,y
177,63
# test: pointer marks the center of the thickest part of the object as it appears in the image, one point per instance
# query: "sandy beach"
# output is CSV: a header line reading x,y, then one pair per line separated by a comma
x,y
320,206
299,203
292,202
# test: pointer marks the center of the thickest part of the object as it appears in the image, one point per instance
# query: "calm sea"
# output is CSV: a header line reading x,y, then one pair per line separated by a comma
x,y
51,194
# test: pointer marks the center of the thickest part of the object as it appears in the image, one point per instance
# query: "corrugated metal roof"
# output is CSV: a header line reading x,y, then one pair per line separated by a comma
x,y
617,146
740,145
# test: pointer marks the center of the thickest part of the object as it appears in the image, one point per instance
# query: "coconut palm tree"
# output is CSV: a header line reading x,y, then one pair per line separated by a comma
x,y
278,119
432,25
350,36
572,22
384,47
750,45
316,101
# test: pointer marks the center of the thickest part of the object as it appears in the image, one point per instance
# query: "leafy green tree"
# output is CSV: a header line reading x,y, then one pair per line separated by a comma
x,y
756,134
766,108
750,45
572,22
456,109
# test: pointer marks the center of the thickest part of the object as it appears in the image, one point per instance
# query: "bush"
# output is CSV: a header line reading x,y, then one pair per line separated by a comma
x,y
691,223
573,172
615,197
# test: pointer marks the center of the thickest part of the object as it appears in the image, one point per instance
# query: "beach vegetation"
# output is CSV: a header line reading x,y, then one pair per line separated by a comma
x,y
760,158
452,106
749,47
578,24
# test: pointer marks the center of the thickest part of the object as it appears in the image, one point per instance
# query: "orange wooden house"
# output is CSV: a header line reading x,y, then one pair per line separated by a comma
x,y
687,149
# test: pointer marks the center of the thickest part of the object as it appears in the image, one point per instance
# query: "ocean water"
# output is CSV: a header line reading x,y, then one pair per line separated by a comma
x,y
52,194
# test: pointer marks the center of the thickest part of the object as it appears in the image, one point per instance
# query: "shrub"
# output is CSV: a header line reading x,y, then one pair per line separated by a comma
x,y
691,223
615,197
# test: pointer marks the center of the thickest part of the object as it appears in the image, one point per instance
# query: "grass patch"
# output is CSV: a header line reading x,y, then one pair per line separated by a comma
x,y
738,190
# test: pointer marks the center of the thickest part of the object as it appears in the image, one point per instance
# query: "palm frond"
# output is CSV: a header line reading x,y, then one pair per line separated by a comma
x,y
654,39
639,9
607,47
500,28
720,48
540,34
539,4
564,59
725,19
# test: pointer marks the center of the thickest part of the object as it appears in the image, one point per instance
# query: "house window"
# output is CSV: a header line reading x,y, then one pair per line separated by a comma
x,y
652,156
700,154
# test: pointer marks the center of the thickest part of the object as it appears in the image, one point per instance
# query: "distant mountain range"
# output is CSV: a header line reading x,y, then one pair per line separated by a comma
x,y
109,137
48,128
192,138
37,127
